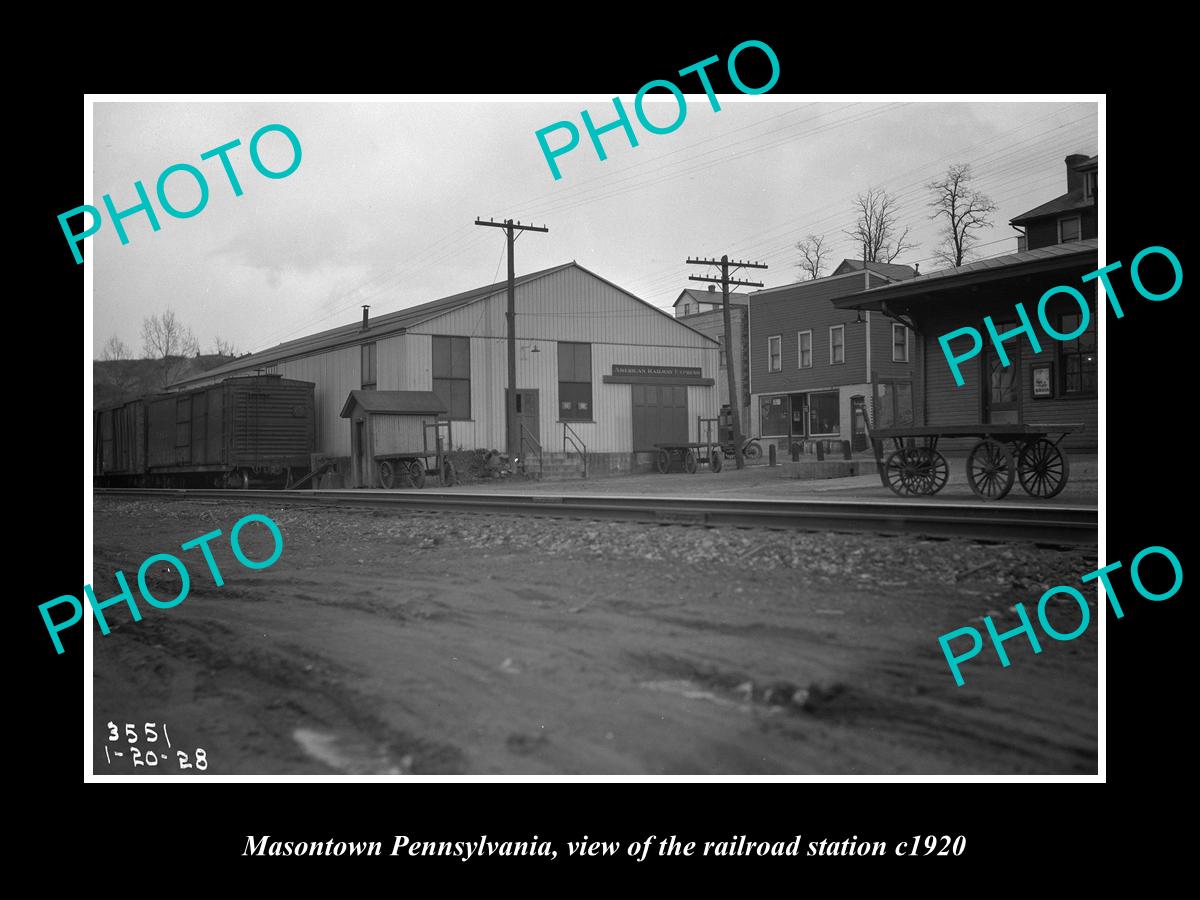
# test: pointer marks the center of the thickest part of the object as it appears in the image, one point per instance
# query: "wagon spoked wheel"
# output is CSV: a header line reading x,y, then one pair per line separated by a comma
x,y
716,460
930,471
1043,469
752,451
416,473
689,461
897,470
990,470
663,460
387,474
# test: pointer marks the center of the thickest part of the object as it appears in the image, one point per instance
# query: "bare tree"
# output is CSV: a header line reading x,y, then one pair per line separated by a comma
x,y
114,348
965,209
814,253
877,229
223,348
167,339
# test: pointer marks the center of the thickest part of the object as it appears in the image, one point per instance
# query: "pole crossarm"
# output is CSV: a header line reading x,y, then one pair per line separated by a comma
x,y
509,223
724,281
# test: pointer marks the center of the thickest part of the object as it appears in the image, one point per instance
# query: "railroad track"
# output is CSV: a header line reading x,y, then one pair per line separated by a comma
x,y
1041,524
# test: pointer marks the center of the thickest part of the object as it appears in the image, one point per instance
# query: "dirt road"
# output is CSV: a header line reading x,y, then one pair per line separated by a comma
x,y
425,643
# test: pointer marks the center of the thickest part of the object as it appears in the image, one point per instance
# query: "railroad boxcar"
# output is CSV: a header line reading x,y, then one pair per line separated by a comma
x,y
261,427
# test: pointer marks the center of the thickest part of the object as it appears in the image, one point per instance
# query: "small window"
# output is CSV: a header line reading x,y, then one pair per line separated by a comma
x,y
899,343
775,353
575,381
837,344
1091,184
804,342
1068,230
368,367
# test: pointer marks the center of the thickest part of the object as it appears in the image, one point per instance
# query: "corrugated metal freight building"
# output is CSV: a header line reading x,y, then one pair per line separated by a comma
x,y
591,357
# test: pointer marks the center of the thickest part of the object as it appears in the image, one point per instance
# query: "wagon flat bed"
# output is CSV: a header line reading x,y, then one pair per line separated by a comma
x,y
1002,454
691,455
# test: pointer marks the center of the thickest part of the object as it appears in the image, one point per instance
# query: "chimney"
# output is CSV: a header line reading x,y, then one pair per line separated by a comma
x,y
1075,179
712,287
916,269
365,326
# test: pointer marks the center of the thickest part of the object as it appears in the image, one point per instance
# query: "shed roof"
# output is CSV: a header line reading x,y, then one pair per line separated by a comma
x,y
401,403
1051,257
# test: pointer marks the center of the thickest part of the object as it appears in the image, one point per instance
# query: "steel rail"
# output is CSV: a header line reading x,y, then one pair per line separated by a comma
x,y
1040,524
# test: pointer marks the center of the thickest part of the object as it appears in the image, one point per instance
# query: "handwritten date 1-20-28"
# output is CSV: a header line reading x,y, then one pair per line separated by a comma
x,y
150,732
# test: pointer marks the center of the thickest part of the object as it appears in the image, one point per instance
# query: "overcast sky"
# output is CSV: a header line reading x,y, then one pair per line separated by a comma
x,y
381,209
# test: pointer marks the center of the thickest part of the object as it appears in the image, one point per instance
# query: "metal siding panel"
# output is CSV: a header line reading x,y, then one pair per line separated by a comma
x,y
335,374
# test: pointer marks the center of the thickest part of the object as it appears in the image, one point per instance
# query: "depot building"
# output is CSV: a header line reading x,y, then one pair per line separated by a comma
x,y
599,371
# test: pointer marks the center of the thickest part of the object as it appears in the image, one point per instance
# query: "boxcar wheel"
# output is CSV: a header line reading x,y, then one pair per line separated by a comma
x,y
238,479
416,473
689,461
387,474
663,460
990,470
1043,469
716,460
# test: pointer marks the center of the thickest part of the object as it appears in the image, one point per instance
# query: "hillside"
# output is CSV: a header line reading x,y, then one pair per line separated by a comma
x,y
119,380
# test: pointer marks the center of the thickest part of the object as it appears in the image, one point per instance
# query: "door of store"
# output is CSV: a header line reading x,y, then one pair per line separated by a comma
x,y
1002,384
660,415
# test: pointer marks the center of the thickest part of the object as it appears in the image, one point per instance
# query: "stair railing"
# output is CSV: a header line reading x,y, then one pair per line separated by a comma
x,y
571,436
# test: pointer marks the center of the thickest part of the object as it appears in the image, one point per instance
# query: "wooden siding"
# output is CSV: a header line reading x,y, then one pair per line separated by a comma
x,y
807,306
947,404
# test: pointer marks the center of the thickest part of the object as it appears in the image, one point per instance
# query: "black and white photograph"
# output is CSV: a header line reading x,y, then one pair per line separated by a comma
x,y
535,437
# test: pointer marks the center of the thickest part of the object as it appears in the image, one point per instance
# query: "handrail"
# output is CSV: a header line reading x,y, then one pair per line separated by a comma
x,y
570,434
527,437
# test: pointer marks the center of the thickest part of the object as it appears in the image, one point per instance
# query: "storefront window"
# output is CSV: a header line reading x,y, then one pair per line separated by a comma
x,y
824,413
773,415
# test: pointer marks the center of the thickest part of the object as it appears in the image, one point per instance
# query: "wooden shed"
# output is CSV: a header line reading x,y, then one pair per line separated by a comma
x,y
388,423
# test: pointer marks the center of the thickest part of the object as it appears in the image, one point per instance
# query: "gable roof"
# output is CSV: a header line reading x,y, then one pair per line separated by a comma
x,y
1071,200
1050,257
894,271
396,402
711,297
397,323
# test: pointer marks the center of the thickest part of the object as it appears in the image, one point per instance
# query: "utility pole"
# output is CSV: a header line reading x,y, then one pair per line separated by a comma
x,y
735,397
512,438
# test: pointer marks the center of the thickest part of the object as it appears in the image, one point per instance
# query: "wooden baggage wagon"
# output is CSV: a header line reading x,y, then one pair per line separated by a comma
x,y
1003,454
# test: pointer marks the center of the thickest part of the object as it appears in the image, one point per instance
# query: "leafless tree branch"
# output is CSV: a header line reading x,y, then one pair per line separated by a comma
x,y
814,254
167,339
965,210
876,227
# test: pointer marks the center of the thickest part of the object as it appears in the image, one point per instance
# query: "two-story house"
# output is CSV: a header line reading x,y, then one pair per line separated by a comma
x,y
814,367
1070,217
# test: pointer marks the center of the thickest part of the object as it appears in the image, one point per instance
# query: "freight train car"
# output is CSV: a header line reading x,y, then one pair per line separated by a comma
x,y
260,428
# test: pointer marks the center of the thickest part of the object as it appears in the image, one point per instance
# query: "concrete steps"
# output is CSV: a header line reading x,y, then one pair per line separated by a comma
x,y
557,466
